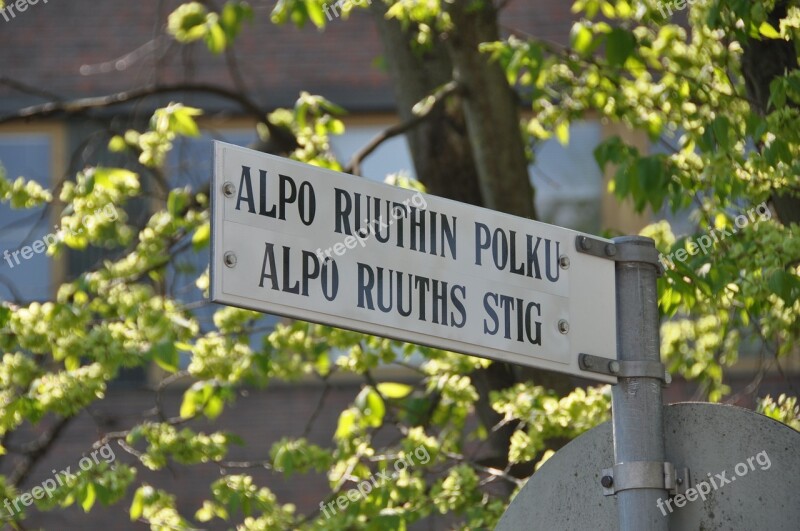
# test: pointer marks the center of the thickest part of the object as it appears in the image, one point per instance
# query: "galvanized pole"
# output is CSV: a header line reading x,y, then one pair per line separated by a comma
x,y
637,409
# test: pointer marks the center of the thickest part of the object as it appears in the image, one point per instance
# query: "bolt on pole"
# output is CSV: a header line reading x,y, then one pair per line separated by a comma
x,y
637,409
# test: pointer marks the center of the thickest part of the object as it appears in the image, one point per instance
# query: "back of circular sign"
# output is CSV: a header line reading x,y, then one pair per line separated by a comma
x,y
750,465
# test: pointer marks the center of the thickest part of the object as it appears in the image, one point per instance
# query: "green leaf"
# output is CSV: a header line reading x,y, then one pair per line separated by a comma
x,y
768,31
611,150
581,38
176,202
777,151
756,126
347,424
215,39
562,133
232,16
283,461
205,513
211,510
785,285
89,497
184,123
624,9
104,494
5,315
655,125
201,236
72,363
652,182
713,14
591,7
117,144
721,127
314,10
187,22
624,180
323,363
109,178
189,404
137,505
372,407
619,46
166,356
331,107
394,390
213,407
777,93
336,127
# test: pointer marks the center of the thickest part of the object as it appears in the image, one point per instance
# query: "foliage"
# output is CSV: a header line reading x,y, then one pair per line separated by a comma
x,y
683,87
785,410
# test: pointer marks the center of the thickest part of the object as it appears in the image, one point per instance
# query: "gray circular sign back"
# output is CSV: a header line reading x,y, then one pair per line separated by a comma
x,y
760,459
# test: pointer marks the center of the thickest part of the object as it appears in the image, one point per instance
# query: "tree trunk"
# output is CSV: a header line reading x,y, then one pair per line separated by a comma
x,y
441,152
763,60
491,110
470,150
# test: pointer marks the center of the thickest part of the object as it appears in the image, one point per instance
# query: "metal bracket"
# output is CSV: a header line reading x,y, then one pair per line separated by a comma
x,y
618,253
644,475
624,368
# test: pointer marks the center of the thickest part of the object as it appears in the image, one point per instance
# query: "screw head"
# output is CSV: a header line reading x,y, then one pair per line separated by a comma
x,y
613,367
679,481
228,189
230,259
607,481
563,261
585,243
563,326
610,249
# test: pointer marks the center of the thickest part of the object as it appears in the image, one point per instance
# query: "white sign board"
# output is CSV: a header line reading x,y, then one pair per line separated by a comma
x,y
309,243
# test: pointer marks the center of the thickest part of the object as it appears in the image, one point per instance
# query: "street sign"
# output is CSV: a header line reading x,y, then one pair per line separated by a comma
x,y
742,472
309,243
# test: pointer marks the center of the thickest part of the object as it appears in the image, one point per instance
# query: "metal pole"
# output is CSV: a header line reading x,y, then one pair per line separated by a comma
x,y
637,409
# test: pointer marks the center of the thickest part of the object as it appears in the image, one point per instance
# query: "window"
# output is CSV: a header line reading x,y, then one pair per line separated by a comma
x,y
568,181
31,154
190,164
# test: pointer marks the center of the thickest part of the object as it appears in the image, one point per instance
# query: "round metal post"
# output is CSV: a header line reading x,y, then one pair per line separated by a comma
x,y
637,412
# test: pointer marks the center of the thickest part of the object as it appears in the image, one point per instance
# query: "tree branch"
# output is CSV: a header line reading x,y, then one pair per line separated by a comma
x,y
20,86
436,100
38,449
320,404
495,472
284,138
120,98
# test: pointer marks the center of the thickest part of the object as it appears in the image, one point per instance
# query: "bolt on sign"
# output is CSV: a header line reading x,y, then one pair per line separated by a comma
x,y
309,243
